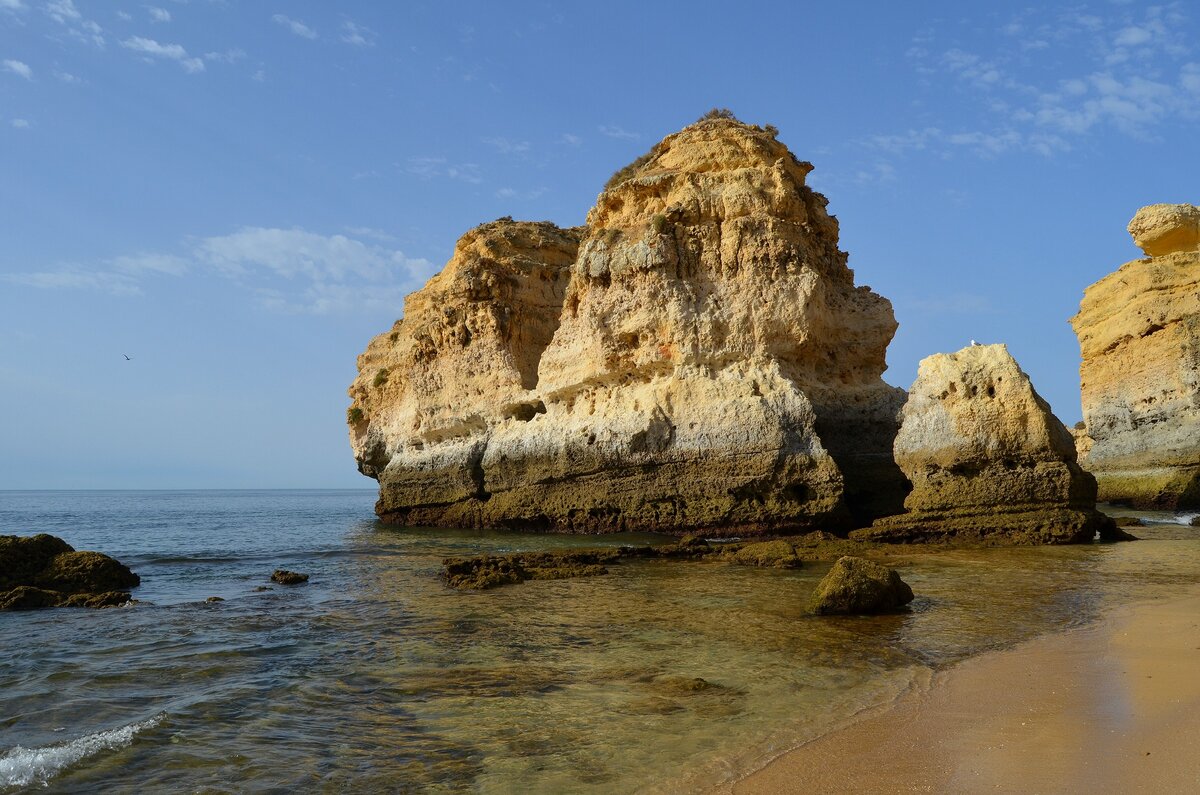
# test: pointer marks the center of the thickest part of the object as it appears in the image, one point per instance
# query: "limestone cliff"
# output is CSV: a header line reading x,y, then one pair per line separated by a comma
x,y
701,361
1139,336
988,460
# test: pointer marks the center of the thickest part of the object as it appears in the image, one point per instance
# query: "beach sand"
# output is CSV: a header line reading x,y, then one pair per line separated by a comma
x,y
1111,707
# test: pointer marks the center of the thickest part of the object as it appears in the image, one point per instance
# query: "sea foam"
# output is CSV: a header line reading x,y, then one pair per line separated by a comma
x,y
21,767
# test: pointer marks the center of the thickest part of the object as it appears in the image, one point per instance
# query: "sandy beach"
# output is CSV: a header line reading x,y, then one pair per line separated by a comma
x,y
1112,707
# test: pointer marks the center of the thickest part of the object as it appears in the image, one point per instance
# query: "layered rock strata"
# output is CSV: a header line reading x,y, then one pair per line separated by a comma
x,y
1139,336
989,462
697,357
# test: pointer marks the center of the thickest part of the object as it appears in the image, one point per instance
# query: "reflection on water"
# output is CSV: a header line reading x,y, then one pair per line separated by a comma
x,y
377,676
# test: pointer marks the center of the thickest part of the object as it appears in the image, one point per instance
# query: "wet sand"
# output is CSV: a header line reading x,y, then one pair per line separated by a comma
x,y
1112,707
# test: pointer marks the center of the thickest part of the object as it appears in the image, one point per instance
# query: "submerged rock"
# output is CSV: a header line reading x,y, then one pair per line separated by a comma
x,y
777,554
697,357
45,571
988,460
855,585
285,577
1139,336
489,571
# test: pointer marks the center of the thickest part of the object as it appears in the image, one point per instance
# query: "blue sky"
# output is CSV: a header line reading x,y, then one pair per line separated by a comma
x,y
238,195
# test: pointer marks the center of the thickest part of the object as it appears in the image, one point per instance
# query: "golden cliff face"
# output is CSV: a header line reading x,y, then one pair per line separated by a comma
x,y
702,361
988,460
1139,336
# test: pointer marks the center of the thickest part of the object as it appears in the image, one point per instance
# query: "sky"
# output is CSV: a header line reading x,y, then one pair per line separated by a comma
x,y
238,195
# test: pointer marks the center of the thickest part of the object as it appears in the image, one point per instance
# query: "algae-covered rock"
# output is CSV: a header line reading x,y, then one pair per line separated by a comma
x,y
285,577
490,571
22,558
91,572
45,571
777,554
855,585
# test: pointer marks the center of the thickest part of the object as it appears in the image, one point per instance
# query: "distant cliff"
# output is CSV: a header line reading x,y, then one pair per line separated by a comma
x,y
697,357
1139,335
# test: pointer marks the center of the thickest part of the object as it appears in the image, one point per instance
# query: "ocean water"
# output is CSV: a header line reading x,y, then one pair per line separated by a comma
x,y
375,676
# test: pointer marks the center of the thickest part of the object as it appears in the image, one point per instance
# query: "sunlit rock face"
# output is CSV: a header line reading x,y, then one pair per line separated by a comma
x,y
988,460
697,357
1139,336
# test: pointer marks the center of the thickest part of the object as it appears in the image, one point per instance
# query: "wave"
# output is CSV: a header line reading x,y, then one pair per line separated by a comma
x,y
1184,519
20,767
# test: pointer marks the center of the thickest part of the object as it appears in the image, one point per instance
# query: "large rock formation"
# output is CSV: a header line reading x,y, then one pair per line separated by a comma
x,y
988,461
45,571
696,358
1139,334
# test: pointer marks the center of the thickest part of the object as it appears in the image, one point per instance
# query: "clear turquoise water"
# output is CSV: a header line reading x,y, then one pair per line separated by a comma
x,y
375,676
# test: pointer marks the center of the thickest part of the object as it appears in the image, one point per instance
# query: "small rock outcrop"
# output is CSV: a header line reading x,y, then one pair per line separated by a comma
x,y
696,358
857,586
988,460
285,577
1139,336
45,571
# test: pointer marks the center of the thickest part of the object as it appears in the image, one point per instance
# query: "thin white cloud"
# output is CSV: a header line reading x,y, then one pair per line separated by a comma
x,y
75,279
150,263
172,52
507,146
77,26
374,234
158,14
295,26
571,140
513,193
12,5
18,68
358,35
67,77
293,270
430,167
286,270
227,56
613,131
1128,70
125,15
63,11
20,124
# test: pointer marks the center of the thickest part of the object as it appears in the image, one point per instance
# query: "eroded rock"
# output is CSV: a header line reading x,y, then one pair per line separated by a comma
x,y
859,586
697,357
45,571
285,577
1139,336
988,460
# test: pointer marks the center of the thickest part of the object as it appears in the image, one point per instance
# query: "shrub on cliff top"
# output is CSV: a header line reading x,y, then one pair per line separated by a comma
x,y
718,113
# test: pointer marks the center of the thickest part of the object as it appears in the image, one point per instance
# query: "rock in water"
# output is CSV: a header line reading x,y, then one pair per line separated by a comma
x,y
45,571
988,461
285,577
696,358
855,586
1139,335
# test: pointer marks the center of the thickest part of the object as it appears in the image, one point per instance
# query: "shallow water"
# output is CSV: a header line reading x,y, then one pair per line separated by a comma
x,y
377,676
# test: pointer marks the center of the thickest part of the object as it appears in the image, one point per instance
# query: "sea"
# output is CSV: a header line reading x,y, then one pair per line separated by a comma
x,y
377,677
